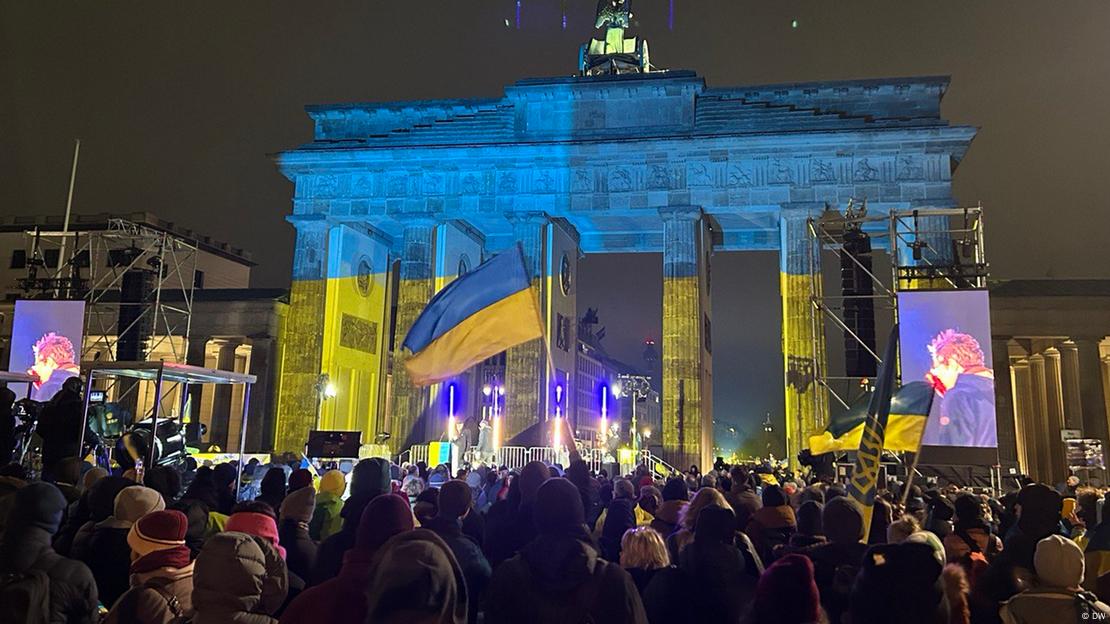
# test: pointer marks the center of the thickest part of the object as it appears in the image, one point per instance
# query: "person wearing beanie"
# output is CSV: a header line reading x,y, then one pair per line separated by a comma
x,y
787,593
326,520
34,518
509,522
257,524
455,504
343,598
96,473
238,579
1057,595
161,572
810,532
899,583
558,577
272,488
301,478
101,503
223,477
842,521
971,537
772,524
675,499
296,512
718,566
164,480
417,579
369,479
619,516
109,556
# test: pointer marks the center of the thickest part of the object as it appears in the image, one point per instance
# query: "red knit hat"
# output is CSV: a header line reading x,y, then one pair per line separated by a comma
x,y
159,530
787,592
257,524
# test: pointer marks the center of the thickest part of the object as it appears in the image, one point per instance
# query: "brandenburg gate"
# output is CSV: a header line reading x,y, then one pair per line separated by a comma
x,y
395,199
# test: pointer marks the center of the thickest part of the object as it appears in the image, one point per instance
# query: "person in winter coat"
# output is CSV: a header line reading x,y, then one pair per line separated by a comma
x,y
32,521
161,572
899,583
101,504
369,479
224,476
836,562
970,533
300,550
559,577
343,598
643,554
272,490
742,497
711,567
238,579
578,473
416,579
706,497
509,522
675,499
620,516
772,524
787,594
455,504
109,556
1057,597
326,520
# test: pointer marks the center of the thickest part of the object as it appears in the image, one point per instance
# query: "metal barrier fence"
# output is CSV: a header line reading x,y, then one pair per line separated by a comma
x,y
516,457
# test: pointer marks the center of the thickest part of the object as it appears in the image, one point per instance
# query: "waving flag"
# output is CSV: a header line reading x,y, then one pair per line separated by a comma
x,y
865,474
478,315
909,409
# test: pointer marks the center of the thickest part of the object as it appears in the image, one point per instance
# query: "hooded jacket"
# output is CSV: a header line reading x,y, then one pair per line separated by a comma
x,y
415,578
34,518
369,479
326,519
474,566
238,579
109,556
296,511
343,598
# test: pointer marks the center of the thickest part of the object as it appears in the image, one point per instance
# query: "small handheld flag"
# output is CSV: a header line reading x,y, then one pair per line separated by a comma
x,y
865,474
478,315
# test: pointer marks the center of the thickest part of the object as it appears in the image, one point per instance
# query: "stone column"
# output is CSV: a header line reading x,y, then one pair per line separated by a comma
x,y
415,289
685,401
1039,398
803,335
302,336
1069,377
1004,403
1025,431
221,405
260,421
1054,397
526,364
196,355
1092,393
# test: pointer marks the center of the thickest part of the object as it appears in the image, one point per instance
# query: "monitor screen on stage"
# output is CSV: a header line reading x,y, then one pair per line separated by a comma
x,y
47,343
945,339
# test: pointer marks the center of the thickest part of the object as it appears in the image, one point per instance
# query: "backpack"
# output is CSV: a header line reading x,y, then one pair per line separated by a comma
x,y
171,602
26,597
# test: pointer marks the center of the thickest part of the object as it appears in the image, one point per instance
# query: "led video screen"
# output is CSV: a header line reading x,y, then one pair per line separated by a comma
x,y
46,342
945,339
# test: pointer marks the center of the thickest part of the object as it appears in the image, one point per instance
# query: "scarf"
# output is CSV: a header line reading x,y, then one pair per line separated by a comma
x,y
176,558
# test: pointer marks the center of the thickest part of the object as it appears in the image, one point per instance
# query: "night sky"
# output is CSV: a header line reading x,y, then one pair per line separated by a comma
x,y
178,104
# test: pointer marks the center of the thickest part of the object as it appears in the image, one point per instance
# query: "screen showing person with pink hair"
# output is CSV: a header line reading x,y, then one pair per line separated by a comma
x,y
46,343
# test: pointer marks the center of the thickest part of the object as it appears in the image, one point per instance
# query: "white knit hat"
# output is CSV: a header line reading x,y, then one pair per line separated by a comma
x,y
1058,562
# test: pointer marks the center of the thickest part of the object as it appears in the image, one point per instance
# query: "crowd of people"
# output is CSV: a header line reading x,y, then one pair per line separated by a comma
x,y
392,543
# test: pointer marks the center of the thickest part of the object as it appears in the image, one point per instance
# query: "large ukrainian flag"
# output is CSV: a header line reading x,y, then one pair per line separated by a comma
x,y
909,409
476,316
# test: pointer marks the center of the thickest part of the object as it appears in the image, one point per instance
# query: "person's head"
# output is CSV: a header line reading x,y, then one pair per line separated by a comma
x,y
623,488
68,471
370,478
902,528
1038,507
426,505
1086,506
334,483
809,518
301,478
704,498
643,547
35,506
455,498
273,482
257,524
165,480
242,567
52,351
95,474
969,509
931,540
739,476
716,524
1059,562
135,502
842,520
898,583
224,476
773,496
158,531
558,509
787,592
709,481
941,509
417,579
255,506
532,476
675,489
299,505
385,516
953,353
650,499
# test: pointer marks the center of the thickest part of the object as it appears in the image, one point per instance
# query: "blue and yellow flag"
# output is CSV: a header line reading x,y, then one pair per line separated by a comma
x,y
865,474
478,315
909,409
